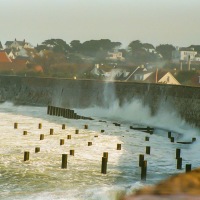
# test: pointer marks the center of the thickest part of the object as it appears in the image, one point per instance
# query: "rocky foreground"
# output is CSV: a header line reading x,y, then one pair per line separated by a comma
x,y
182,186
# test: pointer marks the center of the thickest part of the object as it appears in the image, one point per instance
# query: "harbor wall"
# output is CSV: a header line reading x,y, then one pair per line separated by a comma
x,y
71,93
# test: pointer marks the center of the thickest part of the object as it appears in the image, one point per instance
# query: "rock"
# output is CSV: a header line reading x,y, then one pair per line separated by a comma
x,y
182,186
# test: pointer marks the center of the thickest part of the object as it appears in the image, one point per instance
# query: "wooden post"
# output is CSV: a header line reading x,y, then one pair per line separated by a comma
x,y
146,138
105,154
48,110
63,126
144,170
169,134
172,139
24,132
51,131
104,165
188,168
15,125
141,159
119,146
64,161
37,149
89,143
71,152
39,126
178,153
85,126
102,131
26,155
62,141
69,137
179,163
193,139
148,149
41,136
76,131
96,136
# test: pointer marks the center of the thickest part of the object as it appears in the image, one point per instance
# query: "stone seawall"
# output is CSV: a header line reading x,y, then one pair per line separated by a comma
x,y
83,93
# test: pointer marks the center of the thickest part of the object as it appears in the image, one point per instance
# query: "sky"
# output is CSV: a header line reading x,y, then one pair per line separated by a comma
x,y
153,21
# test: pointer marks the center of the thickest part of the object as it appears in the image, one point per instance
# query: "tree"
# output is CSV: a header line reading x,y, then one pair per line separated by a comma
x,y
58,45
135,46
165,50
75,45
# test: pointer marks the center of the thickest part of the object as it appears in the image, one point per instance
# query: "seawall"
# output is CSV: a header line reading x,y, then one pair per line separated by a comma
x,y
84,93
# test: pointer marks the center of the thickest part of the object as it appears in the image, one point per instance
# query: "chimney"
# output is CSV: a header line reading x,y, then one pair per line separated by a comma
x,y
189,63
157,75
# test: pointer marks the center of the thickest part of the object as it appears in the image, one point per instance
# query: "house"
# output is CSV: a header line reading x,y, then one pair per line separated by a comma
x,y
97,71
11,54
138,74
183,54
17,44
11,65
4,58
162,77
115,56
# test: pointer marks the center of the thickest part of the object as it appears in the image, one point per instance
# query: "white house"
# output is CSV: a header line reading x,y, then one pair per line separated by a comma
x,y
17,44
115,56
183,54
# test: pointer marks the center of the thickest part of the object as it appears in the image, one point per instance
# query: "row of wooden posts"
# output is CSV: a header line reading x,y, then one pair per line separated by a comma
x,y
72,152
65,112
142,162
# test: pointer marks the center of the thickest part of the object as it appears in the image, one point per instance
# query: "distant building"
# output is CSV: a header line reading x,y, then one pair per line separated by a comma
x,y
183,54
4,58
17,44
115,56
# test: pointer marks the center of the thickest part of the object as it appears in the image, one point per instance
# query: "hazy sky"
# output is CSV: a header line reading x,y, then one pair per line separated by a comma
x,y
154,21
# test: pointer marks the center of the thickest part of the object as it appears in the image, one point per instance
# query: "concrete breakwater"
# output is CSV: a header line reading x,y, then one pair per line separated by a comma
x,y
84,93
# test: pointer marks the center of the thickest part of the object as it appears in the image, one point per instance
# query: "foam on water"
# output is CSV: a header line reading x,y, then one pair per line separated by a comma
x,y
42,178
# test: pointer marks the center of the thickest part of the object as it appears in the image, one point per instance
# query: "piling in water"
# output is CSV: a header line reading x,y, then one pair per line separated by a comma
x,y
26,155
39,126
141,159
102,131
24,132
64,161
188,168
76,131
71,152
178,153
51,131
148,149
15,125
69,137
62,141
41,136
89,143
179,163
104,165
63,126
37,149
169,134
193,139
85,126
146,138
119,146
105,154
172,139
144,170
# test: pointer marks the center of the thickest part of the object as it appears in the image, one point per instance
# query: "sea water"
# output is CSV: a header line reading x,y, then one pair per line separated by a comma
x,y
42,177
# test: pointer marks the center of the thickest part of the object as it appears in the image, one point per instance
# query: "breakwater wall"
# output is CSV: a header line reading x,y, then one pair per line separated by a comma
x,y
84,93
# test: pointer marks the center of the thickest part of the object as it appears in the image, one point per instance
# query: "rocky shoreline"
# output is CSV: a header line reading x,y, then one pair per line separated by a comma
x,y
184,186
